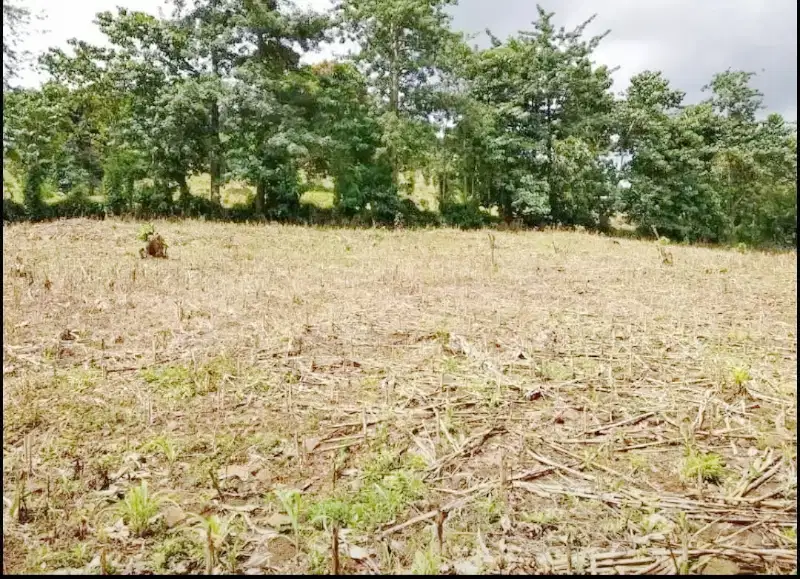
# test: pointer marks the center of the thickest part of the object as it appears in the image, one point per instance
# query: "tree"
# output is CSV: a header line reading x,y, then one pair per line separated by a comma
x,y
527,126
553,114
15,19
36,126
402,43
351,151
754,168
271,105
668,160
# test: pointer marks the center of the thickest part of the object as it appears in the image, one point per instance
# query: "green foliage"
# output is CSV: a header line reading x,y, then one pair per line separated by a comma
x,y
546,121
464,215
709,171
709,467
12,211
138,509
528,127
292,502
145,231
740,376
32,192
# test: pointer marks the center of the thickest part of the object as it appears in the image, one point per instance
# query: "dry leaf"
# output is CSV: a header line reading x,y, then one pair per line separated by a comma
x,y
240,471
67,335
309,444
279,520
483,551
118,531
257,560
466,567
505,523
718,566
357,553
173,516
458,345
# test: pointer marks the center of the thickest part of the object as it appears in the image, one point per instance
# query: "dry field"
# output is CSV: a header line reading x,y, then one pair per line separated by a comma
x,y
430,404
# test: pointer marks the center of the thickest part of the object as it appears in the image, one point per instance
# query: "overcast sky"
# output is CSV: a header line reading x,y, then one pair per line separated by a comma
x,y
688,40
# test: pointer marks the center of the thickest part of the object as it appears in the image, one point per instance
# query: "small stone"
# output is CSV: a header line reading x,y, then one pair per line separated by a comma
x,y
279,520
466,567
357,553
173,516
718,566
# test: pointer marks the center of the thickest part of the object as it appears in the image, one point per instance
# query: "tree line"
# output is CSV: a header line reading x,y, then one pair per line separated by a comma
x,y
526,129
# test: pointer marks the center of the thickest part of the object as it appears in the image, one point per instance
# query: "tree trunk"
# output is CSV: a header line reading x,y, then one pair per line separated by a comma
x,y
215,157
555,201
261,192
394,104
183,188
128,191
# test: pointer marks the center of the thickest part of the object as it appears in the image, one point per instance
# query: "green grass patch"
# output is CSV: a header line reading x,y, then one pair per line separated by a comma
x,y
181,382
709,467
139,508
389,485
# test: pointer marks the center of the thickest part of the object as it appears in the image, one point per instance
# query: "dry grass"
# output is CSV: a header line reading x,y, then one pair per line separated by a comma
x,y
577,406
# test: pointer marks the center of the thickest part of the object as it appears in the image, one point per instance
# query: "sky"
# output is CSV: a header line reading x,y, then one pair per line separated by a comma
x,y
688,40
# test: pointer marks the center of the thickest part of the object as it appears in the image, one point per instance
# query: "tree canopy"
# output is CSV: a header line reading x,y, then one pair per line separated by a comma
x,y
525,129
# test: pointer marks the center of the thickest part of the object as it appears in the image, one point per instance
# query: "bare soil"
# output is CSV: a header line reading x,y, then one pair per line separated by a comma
x,y
547,402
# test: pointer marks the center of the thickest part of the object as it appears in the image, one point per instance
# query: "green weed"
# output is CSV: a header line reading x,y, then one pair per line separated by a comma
x,y
175,382
292,502
174,550
145,231
166,446
212,532
426,562
740,376
709,467
138,509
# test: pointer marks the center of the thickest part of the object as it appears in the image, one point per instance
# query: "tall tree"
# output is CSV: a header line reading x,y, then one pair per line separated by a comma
x,y
754,167
270,103
668,159
553,110
350,151
401,47
16,18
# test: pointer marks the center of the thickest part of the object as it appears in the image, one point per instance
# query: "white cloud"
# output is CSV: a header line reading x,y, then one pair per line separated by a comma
x,y
686,39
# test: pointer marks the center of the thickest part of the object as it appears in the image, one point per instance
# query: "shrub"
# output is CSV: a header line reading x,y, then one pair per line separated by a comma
x,y
153,199
464,215
13,211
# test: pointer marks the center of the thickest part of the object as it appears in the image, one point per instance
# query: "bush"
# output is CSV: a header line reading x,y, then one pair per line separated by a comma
x,y
118,185
75,205
464,215
153,200
13,211
194,206
32,192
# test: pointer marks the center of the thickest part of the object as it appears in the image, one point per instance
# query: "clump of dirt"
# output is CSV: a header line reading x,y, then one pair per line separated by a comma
x,y
156,247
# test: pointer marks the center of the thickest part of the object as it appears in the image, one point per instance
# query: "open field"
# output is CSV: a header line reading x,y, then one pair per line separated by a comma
x,y
558,402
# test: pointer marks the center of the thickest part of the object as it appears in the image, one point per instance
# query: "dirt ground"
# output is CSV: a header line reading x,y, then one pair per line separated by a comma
x,y
428,401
